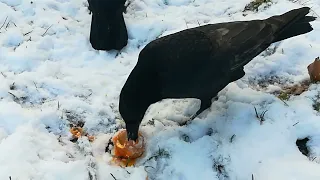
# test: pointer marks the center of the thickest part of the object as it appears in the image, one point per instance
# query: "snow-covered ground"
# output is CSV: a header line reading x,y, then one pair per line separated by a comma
x,y
51,76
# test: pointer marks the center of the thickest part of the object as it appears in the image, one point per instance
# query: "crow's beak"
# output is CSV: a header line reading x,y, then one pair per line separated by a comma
x,y
132,131
132,136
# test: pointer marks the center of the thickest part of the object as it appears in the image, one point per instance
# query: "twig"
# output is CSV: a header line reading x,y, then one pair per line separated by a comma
x,y
9,177
255,109
232,137
284,102
27,33
252,177
47,30
3,75
35,86
261,116
58,105
86,97
145,168
4,22
125,170
113,176
7,25
14,96
295,123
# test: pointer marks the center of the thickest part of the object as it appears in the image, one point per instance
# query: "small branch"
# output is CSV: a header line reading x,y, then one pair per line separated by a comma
x,y
58,105
4,22
47,30
252,177
113,176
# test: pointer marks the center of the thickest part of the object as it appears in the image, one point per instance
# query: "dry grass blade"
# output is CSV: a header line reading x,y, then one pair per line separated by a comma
x,y
232,137
260,116
27,33
3,75
113,176
47,30
255,109
4,22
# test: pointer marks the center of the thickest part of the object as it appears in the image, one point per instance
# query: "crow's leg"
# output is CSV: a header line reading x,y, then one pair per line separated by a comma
x,y
205,105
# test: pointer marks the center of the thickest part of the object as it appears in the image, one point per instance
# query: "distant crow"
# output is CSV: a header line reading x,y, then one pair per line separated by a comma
x,y
199,62
108,29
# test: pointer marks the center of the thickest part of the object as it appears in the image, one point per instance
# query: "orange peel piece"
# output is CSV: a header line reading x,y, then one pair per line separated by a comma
x,y
78,132
91,138
125,153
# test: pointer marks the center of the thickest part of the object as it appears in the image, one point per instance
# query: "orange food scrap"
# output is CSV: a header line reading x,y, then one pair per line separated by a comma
x,y
78,132
314,70
126,152
91,138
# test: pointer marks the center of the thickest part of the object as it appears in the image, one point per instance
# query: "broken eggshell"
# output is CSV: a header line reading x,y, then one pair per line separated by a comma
x,y
126,152
314,70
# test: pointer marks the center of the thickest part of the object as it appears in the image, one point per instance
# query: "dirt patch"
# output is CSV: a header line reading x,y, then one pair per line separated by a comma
x,y
262,83
316,102
255,4
293,90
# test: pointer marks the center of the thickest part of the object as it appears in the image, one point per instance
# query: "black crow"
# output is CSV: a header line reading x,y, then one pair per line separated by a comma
x,y
108,29
199,62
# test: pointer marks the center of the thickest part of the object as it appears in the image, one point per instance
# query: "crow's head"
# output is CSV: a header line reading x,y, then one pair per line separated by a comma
x,y
132,107
137,94
132,113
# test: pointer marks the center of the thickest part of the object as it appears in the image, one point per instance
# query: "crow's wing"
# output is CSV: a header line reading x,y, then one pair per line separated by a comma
x,y
206,56
242,40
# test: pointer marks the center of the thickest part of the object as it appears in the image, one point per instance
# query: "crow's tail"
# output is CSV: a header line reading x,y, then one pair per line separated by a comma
x,y
292,23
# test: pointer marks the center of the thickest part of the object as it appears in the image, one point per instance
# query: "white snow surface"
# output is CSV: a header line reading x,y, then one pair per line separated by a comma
x,y
55,76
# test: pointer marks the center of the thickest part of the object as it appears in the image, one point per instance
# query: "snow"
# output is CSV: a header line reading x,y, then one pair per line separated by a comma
x,y
55,77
